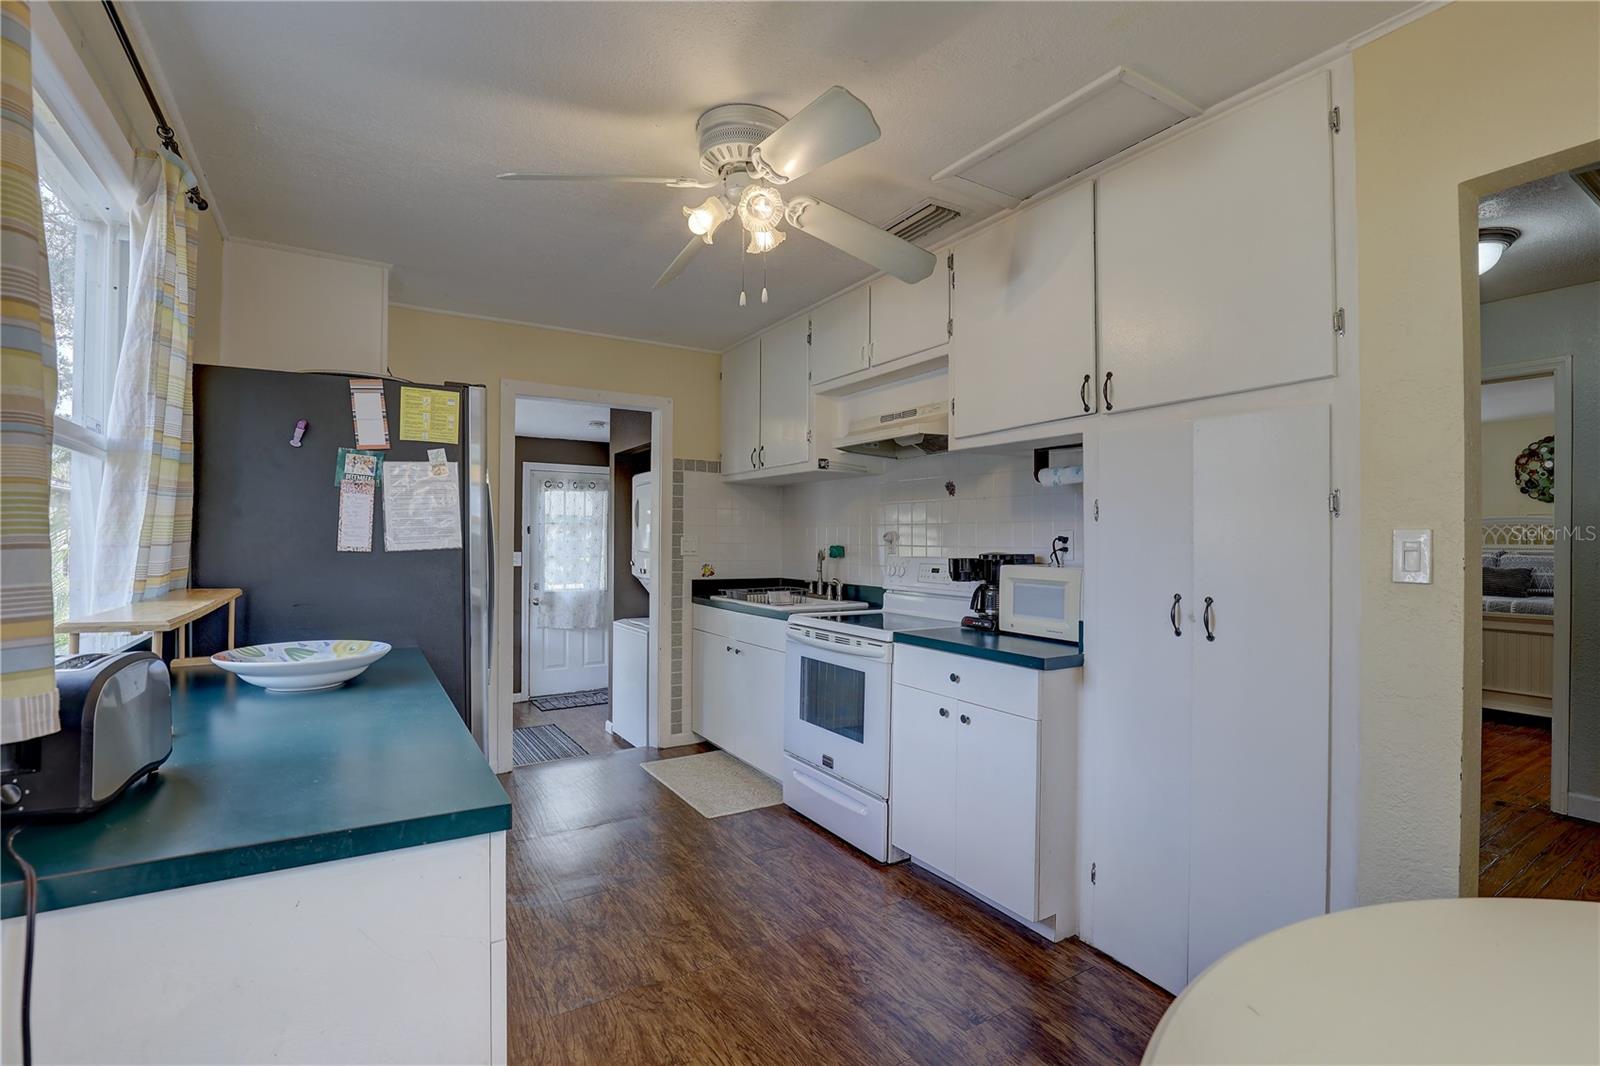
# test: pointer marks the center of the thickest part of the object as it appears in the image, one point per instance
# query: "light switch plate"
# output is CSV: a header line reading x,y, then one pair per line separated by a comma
x,y
516,558
1413,556
690,544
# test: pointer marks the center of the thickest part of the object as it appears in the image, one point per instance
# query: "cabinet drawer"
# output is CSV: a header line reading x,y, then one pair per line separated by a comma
x,y
988,684
714,620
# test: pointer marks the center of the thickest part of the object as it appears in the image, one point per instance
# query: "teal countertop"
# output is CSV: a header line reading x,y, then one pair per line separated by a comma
x,y
1029,652
263,781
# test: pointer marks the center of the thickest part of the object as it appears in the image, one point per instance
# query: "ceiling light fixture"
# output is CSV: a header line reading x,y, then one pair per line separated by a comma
x,y
1492,244
704,220
765,240
760,208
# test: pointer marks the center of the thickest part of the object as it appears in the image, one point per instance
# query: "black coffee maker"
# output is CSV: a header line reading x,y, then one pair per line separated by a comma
x,y
985,569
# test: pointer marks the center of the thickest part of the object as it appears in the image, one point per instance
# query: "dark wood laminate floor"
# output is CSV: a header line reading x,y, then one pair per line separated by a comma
x,y
1524,849
641,932
586,725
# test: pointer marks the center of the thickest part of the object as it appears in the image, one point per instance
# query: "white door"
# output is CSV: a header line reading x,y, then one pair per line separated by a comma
x,y
1216,255
566,530
907,319
785,395
1023,347
1259,747
839,332
922,775
997,803
741,407
1135,716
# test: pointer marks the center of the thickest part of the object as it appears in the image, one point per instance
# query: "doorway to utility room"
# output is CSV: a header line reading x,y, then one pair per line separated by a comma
x,y
572,576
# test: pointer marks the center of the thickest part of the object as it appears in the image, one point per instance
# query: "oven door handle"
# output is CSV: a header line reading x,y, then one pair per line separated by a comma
x,y
859,651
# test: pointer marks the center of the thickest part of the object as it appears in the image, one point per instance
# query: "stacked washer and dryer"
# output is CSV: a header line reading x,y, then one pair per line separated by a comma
x,y
633,673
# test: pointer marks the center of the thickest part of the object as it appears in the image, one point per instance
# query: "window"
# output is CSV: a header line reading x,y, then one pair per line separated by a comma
x,y
87,241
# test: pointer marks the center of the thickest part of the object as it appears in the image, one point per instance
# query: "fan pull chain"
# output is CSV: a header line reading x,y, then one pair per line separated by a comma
x,y
742,258
763,277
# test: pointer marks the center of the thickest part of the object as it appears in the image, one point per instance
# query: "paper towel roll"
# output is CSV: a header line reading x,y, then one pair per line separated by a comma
x,y
1059,475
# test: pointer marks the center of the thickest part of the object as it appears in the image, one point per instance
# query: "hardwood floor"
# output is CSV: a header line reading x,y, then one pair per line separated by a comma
x,y
641,932
1524,849
586,725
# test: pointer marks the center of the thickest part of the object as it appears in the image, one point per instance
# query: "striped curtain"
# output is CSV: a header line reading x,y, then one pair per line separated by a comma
x,y
147,492
28,701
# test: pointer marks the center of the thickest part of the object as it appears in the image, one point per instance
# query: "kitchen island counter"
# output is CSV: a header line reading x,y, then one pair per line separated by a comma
x,y
262,781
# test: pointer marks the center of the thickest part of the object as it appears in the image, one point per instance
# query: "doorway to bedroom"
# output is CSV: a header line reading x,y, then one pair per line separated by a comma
x,y
1539,442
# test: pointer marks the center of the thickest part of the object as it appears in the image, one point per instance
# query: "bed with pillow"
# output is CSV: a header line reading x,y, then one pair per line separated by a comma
x,y
1519,606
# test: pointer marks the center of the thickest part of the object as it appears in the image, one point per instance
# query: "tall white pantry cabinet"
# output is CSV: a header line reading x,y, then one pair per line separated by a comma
x,y
1206,714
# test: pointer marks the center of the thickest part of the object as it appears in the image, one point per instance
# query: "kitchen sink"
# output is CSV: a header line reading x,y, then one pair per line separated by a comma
x,y
786,601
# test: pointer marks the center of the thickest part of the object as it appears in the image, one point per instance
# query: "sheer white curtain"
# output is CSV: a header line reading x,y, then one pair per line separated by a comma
x,y
573,528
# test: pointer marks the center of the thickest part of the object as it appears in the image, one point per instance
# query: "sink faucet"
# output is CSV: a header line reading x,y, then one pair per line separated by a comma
x,y
819,586
833,588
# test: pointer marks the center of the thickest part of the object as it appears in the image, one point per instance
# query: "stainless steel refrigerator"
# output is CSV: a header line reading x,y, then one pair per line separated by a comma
x,y
266,519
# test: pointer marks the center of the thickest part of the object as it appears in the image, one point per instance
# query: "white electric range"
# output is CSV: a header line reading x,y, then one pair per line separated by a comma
x,y
836,702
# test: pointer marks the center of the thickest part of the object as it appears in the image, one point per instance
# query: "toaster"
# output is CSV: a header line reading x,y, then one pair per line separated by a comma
x,y
116,727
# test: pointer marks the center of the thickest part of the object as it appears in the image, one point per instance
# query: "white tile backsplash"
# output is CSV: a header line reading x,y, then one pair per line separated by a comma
x,y
737,528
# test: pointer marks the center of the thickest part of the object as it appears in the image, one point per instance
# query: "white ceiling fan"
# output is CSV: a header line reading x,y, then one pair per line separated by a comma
x,y
748,153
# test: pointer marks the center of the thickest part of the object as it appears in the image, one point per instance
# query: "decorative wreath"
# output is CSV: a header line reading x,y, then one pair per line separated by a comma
x,y
1536,470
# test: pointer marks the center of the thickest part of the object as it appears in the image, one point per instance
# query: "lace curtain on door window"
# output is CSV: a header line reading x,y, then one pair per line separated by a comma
x,y
573,530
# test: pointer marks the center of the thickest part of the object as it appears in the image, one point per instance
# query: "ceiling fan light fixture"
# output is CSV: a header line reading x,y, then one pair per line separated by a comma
x,y
765,240
1492,244
760,208
705,218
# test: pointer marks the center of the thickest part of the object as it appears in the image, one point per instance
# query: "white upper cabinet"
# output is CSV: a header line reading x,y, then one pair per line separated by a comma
x,y
785,396
1216,256
741,407
907,319
839,335
1023,348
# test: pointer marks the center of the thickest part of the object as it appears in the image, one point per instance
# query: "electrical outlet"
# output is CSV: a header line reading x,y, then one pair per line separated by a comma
x,y
1068,545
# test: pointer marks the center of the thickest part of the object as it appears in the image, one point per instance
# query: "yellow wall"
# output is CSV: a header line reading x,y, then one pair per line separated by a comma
x,y
1499,445
1471,90
434,346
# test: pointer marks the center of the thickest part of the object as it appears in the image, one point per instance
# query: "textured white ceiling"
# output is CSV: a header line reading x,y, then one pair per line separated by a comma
x,y
1560,242
560,420
374,130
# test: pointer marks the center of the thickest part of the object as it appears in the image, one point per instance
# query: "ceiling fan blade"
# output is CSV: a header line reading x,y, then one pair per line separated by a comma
x,y
676,266
615,179
832,125
861,239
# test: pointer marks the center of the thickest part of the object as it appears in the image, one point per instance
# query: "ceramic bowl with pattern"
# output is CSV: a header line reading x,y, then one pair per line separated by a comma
x,y
301,665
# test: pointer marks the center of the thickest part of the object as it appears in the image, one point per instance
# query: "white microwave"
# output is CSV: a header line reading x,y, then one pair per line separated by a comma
x,y
1041,601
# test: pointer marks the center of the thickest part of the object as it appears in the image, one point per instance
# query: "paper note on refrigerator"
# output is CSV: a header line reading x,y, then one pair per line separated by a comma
x,y
368,411
356,498
432,415
421,512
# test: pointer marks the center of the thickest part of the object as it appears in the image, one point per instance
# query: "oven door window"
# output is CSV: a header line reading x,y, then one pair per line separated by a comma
x,y
834,698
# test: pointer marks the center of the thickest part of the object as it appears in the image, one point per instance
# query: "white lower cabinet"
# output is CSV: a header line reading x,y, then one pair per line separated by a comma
x,y
984,795
737,680
1206,711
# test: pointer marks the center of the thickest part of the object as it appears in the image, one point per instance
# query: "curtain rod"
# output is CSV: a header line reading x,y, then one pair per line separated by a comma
x,y
164,131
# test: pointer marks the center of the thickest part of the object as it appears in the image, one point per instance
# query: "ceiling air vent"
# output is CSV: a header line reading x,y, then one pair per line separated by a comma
x,y
922,220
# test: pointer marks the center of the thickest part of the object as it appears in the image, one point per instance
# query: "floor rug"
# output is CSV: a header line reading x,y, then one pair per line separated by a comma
x,y
542,743
715,783
565,701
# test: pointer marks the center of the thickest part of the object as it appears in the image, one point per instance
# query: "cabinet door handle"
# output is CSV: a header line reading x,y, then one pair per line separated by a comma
x,y
1083,392
944,712
1177,598
1208,619
752,458
955,679
738,651
966,720
1105,390
761,456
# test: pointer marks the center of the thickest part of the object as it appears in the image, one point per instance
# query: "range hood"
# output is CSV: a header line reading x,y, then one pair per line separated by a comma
x,y
901,434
